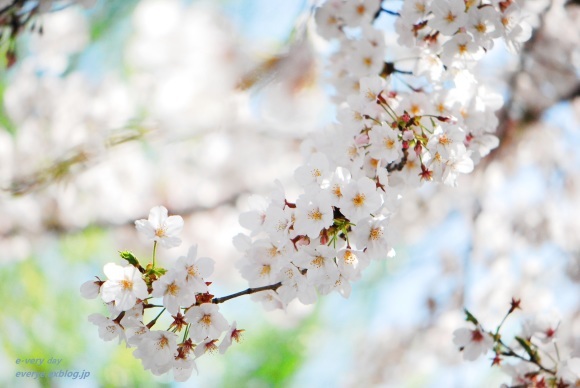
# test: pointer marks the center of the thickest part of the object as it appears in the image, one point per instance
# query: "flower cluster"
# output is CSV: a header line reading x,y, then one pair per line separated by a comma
x,y
129,291
459,31
540,361
388,140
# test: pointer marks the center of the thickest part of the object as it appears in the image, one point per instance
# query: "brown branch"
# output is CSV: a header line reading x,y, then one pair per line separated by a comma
x,y
248,291
511,353
400,165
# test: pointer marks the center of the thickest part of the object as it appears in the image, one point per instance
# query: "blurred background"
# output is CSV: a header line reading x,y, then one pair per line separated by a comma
x,y
195,105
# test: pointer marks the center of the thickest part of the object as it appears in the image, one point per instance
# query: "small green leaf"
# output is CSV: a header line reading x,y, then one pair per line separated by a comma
x,y
159,271
469,317
527,345
126,255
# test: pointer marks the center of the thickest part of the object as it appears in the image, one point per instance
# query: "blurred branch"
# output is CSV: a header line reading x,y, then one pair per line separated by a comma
x,y
63,167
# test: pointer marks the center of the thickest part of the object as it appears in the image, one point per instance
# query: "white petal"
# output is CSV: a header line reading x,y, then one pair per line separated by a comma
x,y
114,271
173,225
157,216
90,290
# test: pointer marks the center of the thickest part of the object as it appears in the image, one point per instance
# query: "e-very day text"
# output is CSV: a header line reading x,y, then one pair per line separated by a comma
x,y
72,374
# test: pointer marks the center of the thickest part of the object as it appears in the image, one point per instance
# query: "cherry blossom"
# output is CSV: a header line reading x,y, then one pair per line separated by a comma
x,y
161,228
206,322
474,342
123,286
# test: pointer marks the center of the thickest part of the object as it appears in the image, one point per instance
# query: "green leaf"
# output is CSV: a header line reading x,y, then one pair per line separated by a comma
x,y
126,255
469,317
159,271
527,345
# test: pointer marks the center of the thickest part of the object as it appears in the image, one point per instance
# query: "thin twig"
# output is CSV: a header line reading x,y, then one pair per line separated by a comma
x,y
248,291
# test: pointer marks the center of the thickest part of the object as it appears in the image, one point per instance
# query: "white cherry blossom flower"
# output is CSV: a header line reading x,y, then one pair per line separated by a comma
x,y
515,30
135,333
261,265
194,270
319,263
157,350
461,51
175,291
414,10
367,59
161,228
206,346
233,334
133,316
328,21
108,329
458,161
474,342
522,373
123,286
339,180
370,234
484,25
253,220
448,16
278,222
359,12
385,143
370,88
360,199
341,285
313,172
543,327
206,322
351,263
183,368
295,285
313,213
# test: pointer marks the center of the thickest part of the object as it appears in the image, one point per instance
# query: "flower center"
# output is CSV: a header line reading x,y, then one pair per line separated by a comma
x,y
476,336
315,215
192,271
273,252
444,140
318,261
348,257
127,284
172,289
265,270
450,18
205,320
336,191
375,234
162,343
359,200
